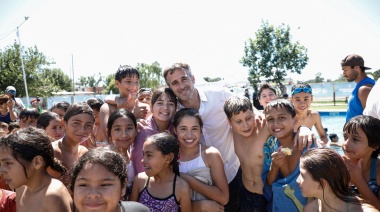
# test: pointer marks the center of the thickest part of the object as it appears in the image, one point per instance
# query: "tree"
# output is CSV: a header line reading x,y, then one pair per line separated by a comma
x,y
83,80
41,80
319,78
208,79
91,81
110,85
375,74
150,75
272,54
341,78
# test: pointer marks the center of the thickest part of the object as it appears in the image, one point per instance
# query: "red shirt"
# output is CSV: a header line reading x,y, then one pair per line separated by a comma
x,y
7,201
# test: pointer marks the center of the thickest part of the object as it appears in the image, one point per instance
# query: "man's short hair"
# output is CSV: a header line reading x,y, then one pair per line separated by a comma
x,y
176,66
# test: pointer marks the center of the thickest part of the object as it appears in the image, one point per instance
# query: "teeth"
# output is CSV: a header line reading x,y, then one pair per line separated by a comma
x,y
276,130
189,141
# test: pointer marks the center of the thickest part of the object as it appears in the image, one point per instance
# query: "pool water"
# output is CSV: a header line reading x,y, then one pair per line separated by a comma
x,y
334,122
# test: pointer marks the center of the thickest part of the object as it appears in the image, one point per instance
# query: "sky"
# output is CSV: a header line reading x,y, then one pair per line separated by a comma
x,y
208,35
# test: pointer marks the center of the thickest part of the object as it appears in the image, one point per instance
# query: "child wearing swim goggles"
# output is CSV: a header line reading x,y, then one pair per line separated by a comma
x,y
302,97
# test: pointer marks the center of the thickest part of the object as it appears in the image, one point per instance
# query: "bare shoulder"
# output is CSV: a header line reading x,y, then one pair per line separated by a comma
x,y
311,206
58,195
82,150
181,185
211,155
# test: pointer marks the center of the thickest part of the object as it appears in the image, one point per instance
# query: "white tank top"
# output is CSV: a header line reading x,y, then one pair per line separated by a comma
x,y
186,166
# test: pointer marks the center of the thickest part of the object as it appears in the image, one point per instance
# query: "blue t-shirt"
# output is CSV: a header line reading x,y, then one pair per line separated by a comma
x,y
355,107
284,194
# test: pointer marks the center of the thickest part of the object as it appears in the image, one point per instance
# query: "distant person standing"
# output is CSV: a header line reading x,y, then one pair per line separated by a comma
x,y
246,93
373,102
18,104
354,70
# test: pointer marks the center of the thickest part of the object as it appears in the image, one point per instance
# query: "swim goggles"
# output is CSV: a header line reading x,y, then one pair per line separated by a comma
x,y
302,89
11,92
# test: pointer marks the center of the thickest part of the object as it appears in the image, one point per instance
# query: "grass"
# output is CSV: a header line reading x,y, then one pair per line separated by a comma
x,y
328,105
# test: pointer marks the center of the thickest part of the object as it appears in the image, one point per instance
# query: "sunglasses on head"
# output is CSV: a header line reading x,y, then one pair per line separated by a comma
x,y
302,89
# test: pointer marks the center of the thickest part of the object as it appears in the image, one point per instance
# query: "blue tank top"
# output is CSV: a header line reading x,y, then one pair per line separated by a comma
x,y
169,204
355,107
6,118
372,184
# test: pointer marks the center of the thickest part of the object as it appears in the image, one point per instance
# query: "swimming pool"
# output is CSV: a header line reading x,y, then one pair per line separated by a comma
x,y
334,122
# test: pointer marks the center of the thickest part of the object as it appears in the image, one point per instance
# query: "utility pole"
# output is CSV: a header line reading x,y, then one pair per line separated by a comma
x,y
22,62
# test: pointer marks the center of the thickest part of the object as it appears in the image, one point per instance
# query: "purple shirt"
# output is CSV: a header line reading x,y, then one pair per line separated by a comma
x,y
144,133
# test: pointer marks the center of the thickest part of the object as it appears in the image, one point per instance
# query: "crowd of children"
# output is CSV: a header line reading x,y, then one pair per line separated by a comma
x,y
154,151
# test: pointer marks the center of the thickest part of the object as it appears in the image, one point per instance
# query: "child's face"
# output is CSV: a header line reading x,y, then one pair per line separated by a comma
x,y
97,189
11,170
129,85
309,187
123,132
153,160
188,132
145,97
266,96
243,123
280,122
355,146
302,101
79,127
3,132
28,122
163,109
55,129
60,112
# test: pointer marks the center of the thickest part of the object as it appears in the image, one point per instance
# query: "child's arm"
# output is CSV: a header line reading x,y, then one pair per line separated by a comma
x,y
206,205
137,187
58,202
13,114
182,193
318,126
358,180
219,191
277,160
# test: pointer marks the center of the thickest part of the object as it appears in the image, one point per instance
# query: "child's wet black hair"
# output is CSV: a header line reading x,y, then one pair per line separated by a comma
x,y
126,71
111,160
370,127
166,143
45,118
77,109
179,115
26,144
63,105
280,104
31,113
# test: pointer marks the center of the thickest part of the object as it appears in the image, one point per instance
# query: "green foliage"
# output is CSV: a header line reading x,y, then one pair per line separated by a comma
x,y
375,74
41,80
91,81
110,85
150,75
83,80
272,54
341,78
208,79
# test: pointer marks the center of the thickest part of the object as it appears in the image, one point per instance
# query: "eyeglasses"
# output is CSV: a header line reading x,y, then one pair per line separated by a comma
x,y
302,89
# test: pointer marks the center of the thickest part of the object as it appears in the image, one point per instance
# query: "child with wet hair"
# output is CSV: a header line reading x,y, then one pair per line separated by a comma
x,y
60,108
24,159
28,117
51,123
302,97
323,175
100,173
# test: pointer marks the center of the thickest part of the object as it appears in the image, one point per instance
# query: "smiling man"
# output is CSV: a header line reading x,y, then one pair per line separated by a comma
x,y
354,70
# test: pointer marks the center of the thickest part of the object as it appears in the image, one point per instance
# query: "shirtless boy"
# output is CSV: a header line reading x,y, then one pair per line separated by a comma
x,y
78,122
302,97
249,139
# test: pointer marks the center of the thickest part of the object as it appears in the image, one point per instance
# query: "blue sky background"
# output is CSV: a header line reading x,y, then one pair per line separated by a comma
x,y
209,35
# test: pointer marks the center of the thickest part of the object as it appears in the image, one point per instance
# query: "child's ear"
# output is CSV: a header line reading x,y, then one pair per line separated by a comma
x,y
38,162
229,121
170,157
117,83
